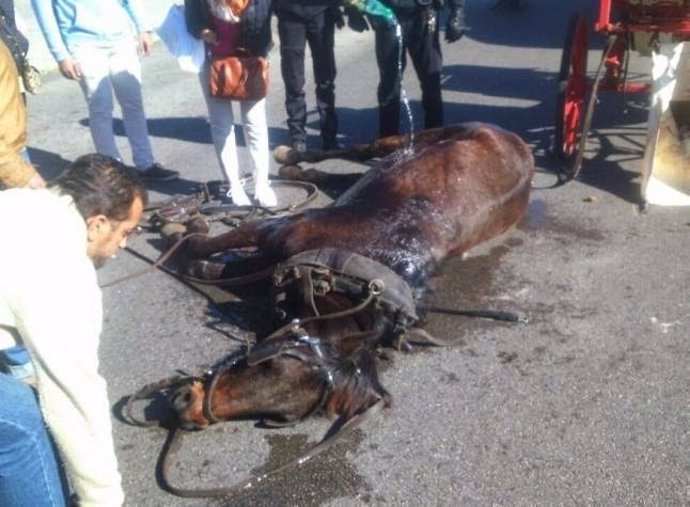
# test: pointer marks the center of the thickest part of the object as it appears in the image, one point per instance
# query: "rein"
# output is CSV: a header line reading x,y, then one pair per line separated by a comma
x,y
341,427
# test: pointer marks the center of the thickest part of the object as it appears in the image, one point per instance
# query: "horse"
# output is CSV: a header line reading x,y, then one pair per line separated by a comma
x,y
349,278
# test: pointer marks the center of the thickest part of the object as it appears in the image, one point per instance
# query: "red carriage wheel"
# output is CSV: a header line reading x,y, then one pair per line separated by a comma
x,y
572,90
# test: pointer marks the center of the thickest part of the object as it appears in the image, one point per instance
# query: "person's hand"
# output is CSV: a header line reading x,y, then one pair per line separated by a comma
x,y
455,27
145,43
356,20
70,68
338,18
36,181
208,36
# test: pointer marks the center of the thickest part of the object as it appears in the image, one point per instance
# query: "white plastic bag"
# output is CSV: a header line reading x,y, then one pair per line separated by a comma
x,y
189,52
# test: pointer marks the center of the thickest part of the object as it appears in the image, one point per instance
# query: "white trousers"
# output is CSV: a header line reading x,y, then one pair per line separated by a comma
x,y
115,70
255,128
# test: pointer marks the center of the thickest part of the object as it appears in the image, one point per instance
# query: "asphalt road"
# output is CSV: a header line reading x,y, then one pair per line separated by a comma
x,y
588,403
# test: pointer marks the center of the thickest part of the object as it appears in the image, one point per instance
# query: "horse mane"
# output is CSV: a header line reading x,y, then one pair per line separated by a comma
x,y
356,385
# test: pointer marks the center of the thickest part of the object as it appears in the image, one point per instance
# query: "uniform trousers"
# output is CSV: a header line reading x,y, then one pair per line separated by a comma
x,y
422,43
318,32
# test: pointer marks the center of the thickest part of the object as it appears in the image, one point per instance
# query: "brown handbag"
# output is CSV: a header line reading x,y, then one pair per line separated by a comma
x,y
239,77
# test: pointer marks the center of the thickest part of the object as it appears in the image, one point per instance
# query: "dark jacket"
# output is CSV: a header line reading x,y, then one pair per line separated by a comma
x,y
255,22
303,8
10,35
412,5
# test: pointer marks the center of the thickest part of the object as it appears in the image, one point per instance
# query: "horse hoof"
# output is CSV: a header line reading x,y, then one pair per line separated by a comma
x,y
290,172
197,224
173,229
205,270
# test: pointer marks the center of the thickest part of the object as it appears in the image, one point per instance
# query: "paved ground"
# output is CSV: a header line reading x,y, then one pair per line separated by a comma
x,y
589,403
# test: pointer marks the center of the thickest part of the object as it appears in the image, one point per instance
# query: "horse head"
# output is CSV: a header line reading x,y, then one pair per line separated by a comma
x,y
336,308
283,380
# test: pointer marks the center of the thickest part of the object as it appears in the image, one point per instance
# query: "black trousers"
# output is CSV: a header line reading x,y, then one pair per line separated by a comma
x,y
295,33
423,46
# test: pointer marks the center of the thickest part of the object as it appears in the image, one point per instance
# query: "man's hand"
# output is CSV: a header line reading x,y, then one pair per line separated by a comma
x,y
455,27
70,68
356,20
338,17
145,43
209,36
35,182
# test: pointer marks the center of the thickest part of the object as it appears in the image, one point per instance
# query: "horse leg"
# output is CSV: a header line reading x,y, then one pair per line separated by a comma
x,y
377,149
201,246
331,184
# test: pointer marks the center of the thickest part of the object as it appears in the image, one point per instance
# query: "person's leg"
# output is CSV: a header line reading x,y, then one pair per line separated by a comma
x,y
292,35
98,92
425,53
29,469
320,35
222,121
256,139
125,74
391,63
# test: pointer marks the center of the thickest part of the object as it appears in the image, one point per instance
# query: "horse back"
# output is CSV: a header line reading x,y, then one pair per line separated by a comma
x,y
476,184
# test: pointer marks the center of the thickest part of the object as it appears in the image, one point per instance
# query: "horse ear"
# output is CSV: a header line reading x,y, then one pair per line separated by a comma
x,y
264,351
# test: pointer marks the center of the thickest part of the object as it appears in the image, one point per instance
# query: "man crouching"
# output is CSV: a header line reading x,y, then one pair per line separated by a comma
x,y
50,301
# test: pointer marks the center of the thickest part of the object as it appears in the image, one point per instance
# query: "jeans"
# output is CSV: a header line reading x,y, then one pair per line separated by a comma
x,y
29,469
17,362
255,129
115,70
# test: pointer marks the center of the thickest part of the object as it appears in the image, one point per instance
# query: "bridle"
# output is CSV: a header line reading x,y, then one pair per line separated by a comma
x,y
292,340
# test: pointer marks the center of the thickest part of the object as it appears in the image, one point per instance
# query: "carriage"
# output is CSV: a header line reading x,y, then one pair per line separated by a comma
x,y
628,25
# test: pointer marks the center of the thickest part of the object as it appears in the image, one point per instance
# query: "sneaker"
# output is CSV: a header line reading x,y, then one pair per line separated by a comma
x,y
266,196
238,196
157,172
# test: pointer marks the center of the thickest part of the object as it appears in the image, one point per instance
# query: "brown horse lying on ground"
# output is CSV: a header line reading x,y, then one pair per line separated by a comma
x,y
349,276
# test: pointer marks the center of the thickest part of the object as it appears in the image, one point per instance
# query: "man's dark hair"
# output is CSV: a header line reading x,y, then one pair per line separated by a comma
x,y
101,185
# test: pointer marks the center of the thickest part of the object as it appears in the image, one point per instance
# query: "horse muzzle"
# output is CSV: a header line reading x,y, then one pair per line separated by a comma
x,y
187,402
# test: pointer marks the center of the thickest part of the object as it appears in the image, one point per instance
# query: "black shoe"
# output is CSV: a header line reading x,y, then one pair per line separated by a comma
x,y
299,145
157,172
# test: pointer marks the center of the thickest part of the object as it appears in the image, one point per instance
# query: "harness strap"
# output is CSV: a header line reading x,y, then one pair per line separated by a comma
x,y
339,429
394,290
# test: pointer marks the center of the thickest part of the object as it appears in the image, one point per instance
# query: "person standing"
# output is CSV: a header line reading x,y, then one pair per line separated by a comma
x,y
83,217
419,23
15,169
300,23
93,43
223,32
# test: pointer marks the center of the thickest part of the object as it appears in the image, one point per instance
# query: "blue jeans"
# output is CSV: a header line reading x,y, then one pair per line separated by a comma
x,y
108,71
29,469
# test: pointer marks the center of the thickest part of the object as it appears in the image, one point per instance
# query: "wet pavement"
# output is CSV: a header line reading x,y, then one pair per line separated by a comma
x,y
588,403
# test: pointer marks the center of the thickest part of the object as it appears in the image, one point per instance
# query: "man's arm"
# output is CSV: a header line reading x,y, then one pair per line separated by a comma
x,y
15,171
137,13
455,27
45,15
